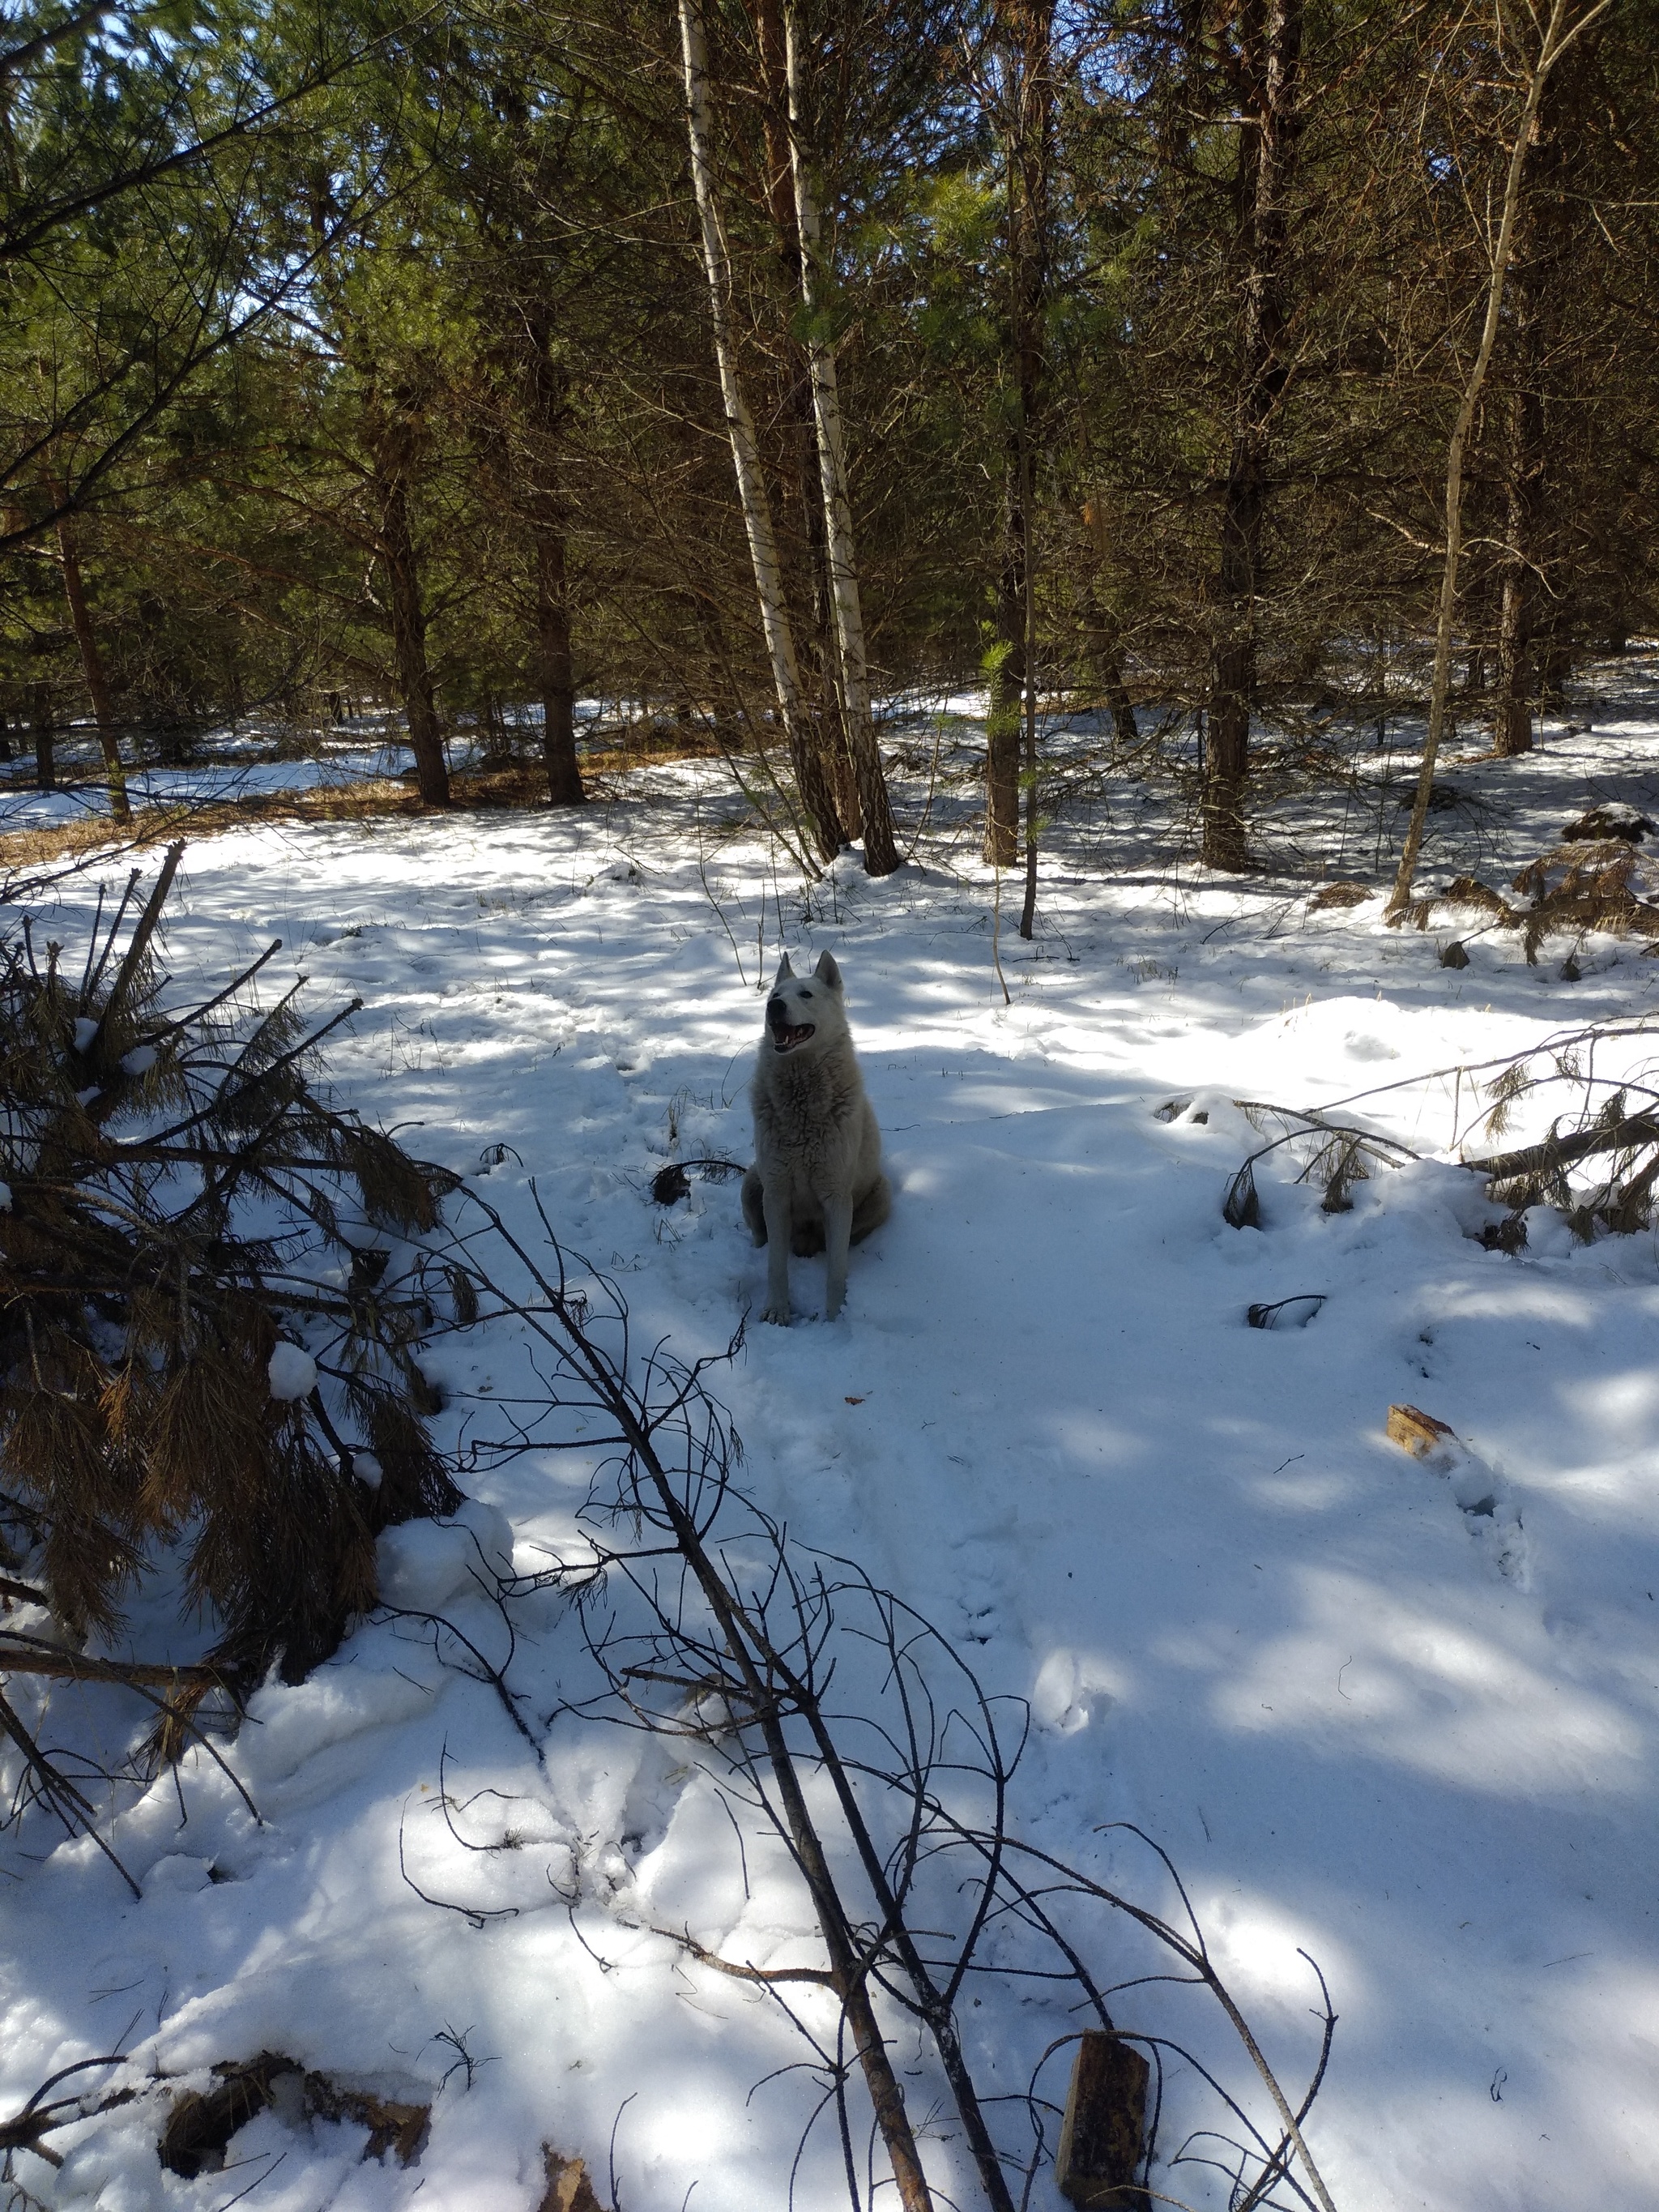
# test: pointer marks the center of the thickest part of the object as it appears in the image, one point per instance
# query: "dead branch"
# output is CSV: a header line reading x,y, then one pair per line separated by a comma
x,y
18,1657
26,2130
802,1665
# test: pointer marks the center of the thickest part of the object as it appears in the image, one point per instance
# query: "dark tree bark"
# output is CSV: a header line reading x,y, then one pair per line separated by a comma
x,y
546,401
1100,632
564,779
390,440
1512,718
1004,722
45,772
1027,33
1539,268
92,668
408,644
1269,56
1554,658
1108,674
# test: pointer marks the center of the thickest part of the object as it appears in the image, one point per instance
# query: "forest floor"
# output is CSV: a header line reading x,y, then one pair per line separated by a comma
x,y
1419,1743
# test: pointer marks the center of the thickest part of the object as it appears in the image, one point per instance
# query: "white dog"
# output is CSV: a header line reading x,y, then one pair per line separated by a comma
x,y
816,1183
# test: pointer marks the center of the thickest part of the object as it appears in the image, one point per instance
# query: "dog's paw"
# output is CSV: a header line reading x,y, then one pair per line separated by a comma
x,y
779,1314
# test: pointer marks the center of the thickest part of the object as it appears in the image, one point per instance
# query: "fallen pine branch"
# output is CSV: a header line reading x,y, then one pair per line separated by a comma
x,y
1342,1155
1554,1151
18,1657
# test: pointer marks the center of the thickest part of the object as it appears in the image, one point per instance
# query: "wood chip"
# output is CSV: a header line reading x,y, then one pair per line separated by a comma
x,y
1418,1432
569,2189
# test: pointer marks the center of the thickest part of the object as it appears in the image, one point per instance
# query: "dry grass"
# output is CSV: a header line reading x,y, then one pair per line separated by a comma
x,y
1339,895
22,851
520,785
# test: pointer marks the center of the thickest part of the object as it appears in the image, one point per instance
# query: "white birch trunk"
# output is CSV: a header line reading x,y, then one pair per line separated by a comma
x,y
880,852
745,453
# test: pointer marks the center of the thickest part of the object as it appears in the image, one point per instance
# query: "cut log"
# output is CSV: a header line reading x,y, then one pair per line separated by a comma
x,y
1105,2129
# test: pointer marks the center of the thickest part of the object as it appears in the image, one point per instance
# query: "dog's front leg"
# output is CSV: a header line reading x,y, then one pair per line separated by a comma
x,y
837,1234
774,1199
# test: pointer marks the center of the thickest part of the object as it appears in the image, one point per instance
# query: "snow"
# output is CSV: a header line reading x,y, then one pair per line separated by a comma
x,y
424,1564
1365,1718
292,1371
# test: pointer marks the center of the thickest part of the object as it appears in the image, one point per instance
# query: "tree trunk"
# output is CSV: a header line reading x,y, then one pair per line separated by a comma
x,y
545,403
1109,674
816,797
1005,720
1554,666
1026,33
45,773
564,781
407,613
409,639
1101,634
1512,716
1541,268
1032,163
1557,37
819,665
92,667
875,809
389,435
1270,58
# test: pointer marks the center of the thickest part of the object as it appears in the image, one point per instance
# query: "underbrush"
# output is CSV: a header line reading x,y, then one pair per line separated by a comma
x,y
210,1314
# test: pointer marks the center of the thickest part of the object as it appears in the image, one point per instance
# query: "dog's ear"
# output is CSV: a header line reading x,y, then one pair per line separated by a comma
x,y
828,970
785,974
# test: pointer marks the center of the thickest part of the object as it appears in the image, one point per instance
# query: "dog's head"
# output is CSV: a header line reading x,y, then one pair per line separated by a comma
x,y
805,1013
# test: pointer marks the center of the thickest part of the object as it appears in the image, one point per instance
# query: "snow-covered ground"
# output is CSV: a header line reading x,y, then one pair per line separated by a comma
x,y
1418,1742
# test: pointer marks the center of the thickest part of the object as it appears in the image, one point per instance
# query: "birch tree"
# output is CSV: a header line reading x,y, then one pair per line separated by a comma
x,y
815,796
875,811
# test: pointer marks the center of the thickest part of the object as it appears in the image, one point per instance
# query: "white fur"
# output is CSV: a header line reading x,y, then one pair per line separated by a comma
x,y
816,1180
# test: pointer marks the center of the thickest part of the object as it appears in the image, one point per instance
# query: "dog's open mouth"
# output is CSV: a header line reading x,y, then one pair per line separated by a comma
x,y
786,1040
